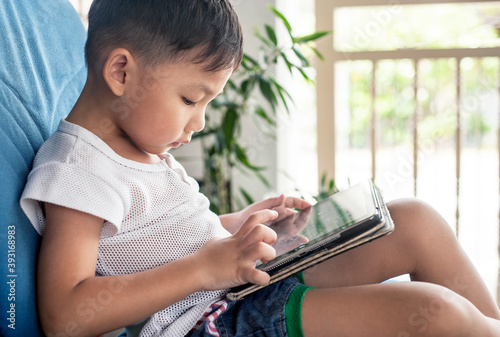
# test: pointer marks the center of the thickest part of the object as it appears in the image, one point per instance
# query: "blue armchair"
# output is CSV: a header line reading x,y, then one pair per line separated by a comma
x,y
42,72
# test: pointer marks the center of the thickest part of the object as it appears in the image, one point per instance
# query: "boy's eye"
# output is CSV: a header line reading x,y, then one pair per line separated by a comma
x,y
188,102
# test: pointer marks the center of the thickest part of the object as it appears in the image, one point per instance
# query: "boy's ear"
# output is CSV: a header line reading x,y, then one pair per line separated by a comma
x,y
117,67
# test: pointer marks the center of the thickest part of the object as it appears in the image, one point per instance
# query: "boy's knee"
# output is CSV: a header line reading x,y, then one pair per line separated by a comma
x,y
417,218
442,312
410,208
457,318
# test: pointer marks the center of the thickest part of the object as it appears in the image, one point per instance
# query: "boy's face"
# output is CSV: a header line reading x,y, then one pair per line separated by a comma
x,y
167,105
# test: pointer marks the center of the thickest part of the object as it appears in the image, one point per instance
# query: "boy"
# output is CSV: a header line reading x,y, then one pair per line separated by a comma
x,y
129,240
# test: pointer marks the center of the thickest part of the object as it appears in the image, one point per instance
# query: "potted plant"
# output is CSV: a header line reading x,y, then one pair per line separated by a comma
x,y
252,89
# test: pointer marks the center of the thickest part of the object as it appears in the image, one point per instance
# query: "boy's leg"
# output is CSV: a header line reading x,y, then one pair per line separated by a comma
x,y
393,310
422,245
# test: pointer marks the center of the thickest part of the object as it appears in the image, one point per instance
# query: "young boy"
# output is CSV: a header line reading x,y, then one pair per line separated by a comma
x,y
129,240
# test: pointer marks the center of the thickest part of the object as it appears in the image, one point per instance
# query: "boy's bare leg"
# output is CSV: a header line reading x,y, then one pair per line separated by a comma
x,y
422,245
393,310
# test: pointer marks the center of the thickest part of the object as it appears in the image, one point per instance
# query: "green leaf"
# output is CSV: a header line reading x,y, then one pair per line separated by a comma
x,y
287,62
310,37
282,93
263,39
224,102
228,126
246,196
211,151
263,179
318,54
249,59
303,60
262,114
206,132
247,64
282,17
247,85
271,34
331,185
323,180
304,75
242,157
231,85
268,93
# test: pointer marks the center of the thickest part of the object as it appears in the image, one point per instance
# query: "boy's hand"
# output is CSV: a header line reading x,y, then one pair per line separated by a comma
x,y
229,262
288,231
283,205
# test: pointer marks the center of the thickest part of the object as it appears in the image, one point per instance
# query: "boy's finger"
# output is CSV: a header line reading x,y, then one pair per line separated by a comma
x,y
260,233
255,219
271,202
293,202
304,215
258,277
260,251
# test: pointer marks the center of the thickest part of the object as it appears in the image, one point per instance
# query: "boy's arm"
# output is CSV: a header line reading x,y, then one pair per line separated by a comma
x,y
72,301
71,298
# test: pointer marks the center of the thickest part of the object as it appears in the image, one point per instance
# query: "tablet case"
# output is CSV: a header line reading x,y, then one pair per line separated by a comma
x,y
385,227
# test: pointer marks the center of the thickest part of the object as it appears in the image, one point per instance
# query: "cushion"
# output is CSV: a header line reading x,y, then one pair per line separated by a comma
x,y
42,74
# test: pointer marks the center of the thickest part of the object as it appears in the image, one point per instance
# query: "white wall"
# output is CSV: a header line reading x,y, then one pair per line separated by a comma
x,y
262,150
297,145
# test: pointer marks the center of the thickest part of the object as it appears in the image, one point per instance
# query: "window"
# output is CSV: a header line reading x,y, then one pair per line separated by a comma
x,y
411,99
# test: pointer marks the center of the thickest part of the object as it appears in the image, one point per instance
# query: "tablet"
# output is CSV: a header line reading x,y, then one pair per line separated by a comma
x,y
340,222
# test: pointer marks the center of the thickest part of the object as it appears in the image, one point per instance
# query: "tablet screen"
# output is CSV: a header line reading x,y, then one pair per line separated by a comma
x,y
322,222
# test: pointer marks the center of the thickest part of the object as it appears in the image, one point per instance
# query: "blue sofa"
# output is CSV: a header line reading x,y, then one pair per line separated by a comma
x,y
42,72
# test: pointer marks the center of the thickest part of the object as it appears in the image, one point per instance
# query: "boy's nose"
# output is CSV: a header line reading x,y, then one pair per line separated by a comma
x,y
197,123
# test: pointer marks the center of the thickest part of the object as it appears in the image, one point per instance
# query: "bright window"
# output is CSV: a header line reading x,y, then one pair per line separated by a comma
x,y
411,99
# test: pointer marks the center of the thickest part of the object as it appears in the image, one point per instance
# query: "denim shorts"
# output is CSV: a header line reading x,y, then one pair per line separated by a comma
x,y
260,314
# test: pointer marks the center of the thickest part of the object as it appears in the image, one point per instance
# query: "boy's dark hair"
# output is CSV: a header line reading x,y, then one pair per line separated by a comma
x,y
207,32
